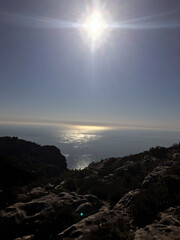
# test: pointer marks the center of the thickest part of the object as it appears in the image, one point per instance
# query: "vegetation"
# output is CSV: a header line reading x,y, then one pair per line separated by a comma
x,y
110,231
21,161
157,197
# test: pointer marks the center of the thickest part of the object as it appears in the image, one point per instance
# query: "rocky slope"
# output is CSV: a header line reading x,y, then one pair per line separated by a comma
x,y
135,197
21,161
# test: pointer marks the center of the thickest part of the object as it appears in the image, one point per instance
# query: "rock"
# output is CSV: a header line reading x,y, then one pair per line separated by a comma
x,y
147,160
168,163
29,237
87,178
62,183
166,228
96,167
38,210
125,167
126,200
26,161
157,173
49,186
90,224
85,208
34,193
120,170
96,203
176,155
37,192
57,187
111,175
82,227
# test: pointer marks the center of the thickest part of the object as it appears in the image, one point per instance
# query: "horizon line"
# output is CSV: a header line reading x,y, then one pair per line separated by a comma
x,y
89,124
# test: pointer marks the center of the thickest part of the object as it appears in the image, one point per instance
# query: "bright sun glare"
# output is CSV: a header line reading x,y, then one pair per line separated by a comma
x,y
95,26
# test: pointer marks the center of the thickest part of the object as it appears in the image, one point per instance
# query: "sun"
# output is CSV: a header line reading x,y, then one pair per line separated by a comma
x,y
95,26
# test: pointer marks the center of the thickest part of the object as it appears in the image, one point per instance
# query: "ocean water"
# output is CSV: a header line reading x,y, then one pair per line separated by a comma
x,y
82,145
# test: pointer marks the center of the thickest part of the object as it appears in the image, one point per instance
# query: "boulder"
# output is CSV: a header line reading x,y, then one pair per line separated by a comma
x,y
37,211
148,160
96,203
125,201
167,227
85,208
157,173
126,166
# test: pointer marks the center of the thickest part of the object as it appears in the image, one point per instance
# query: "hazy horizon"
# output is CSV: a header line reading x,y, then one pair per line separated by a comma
x,y
104,125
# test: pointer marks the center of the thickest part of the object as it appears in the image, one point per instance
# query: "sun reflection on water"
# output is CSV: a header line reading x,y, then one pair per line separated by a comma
x,y
80,138
80,135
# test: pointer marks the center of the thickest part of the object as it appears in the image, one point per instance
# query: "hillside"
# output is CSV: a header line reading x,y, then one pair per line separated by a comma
x,y
134,197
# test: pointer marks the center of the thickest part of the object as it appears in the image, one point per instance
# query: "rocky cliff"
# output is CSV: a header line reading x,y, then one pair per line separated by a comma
x,y
22,161
135,197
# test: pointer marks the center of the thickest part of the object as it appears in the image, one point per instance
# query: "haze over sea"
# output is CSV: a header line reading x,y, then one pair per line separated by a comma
x,y
82,145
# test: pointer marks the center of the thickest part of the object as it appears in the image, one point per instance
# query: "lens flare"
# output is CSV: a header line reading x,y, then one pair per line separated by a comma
x,y
95,26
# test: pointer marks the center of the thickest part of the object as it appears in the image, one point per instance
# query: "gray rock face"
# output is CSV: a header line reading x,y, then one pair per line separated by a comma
x,y
147,160
166,228
34,193
38,210
125,167
84,228
157,173
96,167
96,203
126,200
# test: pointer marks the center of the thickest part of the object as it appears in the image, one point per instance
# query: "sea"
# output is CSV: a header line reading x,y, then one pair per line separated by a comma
x,y
82,145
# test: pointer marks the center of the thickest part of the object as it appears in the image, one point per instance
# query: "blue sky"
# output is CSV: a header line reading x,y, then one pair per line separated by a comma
x,y
49,73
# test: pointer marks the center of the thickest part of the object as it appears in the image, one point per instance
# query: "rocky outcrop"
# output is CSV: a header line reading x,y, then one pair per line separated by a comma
x,y
126,166
148,160
33,194
47,205
165,228
125,201
23,161
84,228
37,211
97,167
157,173
52,211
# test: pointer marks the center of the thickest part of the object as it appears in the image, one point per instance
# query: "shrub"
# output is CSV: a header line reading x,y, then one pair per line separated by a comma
x,y
111,231
156,198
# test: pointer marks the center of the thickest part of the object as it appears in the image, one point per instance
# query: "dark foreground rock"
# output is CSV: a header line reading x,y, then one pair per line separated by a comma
x,y
32,216
167,227
22,161
135,197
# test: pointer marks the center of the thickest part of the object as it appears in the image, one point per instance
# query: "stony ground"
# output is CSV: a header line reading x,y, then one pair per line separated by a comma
x,y
65,209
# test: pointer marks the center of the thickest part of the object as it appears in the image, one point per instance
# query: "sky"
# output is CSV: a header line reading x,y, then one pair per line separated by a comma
x,y
49,73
